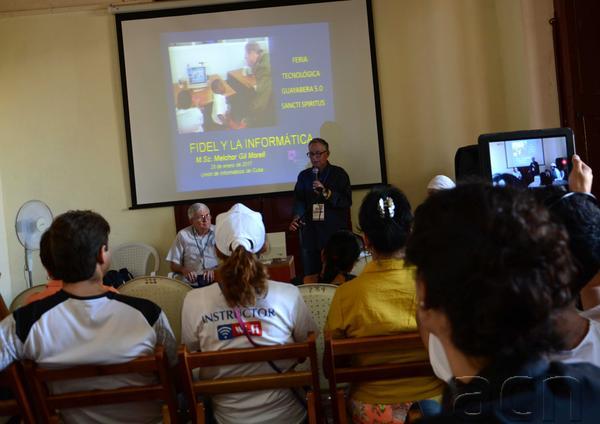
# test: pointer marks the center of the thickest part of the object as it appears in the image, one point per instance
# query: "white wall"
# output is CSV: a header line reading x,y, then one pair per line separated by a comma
x,y
448,71
62,128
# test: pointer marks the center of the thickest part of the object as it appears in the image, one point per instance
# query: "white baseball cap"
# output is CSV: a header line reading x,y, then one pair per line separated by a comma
x,y
239,226
440,182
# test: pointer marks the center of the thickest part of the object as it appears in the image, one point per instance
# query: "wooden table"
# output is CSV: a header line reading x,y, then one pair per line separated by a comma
x,y
282,269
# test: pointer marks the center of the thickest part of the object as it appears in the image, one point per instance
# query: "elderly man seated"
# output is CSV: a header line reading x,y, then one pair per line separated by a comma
x,y
192,254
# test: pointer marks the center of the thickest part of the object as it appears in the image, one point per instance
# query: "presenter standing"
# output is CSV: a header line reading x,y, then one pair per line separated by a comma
x,y
322,199
193,252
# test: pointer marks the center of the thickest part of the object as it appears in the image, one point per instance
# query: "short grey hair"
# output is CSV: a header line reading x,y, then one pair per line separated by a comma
x,y
195,208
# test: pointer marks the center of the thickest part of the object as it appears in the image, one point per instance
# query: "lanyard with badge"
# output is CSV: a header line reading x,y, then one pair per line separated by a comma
x,y
201,249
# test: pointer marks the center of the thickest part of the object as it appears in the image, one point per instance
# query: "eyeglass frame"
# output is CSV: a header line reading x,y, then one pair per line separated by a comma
x,y
205,217
316,154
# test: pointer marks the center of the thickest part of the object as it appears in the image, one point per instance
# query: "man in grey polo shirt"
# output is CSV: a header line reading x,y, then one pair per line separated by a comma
x,y
192,254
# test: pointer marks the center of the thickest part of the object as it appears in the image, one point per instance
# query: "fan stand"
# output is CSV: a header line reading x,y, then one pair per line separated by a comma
x,y
29,266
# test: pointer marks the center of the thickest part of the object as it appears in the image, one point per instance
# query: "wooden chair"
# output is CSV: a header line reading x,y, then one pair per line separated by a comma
x,y
50,404
339,351
12,378
3,309
189,361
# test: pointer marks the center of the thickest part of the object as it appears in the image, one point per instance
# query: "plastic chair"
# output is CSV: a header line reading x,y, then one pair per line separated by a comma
x,y
49,404
295,378
317,297
12,378
19,299
136,258
165,292
339,372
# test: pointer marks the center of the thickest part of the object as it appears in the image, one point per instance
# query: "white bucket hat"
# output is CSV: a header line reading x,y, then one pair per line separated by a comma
x,y
440,182
239,226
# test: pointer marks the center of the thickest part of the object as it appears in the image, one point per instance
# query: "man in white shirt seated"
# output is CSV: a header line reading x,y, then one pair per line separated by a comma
x,y
85,323
192,254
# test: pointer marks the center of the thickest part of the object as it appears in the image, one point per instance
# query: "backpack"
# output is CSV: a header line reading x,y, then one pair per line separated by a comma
x,y
117,278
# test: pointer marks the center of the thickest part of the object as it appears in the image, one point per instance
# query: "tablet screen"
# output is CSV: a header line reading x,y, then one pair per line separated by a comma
x,y
531,159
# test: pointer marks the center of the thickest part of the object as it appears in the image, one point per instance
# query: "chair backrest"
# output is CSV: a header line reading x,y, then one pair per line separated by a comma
x,y
165,292
318,298
338,371
19,299
294,378
12,378
136,258
155,364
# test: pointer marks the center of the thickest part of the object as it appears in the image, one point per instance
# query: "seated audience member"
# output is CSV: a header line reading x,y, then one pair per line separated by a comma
x,y
580,180
557,174
220,109
493,272
84,323
193,252
439,182
381,301
580,215
338,257
243,296
52,286
189,117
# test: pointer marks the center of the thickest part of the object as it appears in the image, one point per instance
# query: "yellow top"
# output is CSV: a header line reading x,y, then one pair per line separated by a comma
x,y
381,301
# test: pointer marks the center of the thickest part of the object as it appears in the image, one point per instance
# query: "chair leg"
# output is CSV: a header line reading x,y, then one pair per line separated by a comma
x,y
200,413
341,407
311,408
165,415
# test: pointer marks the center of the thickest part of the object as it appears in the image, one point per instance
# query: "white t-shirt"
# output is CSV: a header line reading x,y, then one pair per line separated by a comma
x,y
589,348
62,331
281,317
219,108
194,251
190,120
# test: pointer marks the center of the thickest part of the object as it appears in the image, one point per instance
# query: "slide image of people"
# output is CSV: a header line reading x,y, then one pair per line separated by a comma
x,y
228,83
529,163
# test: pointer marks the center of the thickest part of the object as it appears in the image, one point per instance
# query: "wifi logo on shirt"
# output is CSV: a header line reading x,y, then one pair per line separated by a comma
x,y
229,331
225,332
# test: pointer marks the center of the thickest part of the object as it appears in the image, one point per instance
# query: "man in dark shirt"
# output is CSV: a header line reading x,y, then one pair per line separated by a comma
x,y
323,197
534,167
262,106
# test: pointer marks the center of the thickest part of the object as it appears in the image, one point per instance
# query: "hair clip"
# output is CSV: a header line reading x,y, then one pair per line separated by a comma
x,y
384,204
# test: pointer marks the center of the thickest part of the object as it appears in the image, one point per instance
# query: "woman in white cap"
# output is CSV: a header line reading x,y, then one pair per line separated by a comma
x,y
273,313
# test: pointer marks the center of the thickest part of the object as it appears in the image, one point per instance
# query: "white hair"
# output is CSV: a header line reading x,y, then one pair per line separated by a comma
x,y
195,208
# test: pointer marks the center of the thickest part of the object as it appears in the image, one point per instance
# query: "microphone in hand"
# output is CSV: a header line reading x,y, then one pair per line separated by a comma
x,y
317,185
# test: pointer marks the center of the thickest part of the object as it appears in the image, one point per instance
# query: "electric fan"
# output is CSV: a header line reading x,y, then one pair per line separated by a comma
x,y
33,218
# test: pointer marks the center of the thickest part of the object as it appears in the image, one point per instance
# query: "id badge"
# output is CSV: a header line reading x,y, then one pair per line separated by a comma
x,y
318,212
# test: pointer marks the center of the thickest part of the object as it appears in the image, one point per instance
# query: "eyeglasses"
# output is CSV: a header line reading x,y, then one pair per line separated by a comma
x,y
202,217
316,154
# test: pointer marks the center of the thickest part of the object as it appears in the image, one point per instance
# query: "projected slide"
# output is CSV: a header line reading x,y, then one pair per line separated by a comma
x,y
220,101
245,102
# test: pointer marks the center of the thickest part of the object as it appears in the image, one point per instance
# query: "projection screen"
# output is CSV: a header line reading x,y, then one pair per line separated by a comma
x,y
221,100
